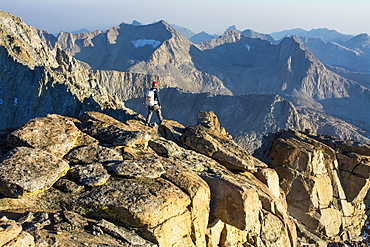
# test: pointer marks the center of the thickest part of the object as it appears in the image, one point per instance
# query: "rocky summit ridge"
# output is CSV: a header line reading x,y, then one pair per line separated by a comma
x,y
98,181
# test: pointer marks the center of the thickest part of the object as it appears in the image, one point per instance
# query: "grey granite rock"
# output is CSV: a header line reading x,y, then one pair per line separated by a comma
x,y
26,171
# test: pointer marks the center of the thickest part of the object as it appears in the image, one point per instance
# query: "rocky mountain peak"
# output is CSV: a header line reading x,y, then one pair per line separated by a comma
x,y
158,26
360,43
230,36
232,27
202,36
94,156
253,34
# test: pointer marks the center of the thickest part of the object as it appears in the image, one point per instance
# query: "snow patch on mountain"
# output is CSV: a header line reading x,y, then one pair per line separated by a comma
x,y
248,47
143,42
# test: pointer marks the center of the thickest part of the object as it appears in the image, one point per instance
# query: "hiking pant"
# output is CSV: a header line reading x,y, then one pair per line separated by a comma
x,y
150,113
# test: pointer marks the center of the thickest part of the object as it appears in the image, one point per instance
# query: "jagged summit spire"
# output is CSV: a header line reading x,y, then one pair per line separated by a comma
x,y
231,35
232,27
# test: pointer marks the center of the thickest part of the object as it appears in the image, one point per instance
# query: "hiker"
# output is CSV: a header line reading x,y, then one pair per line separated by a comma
x,y
153,103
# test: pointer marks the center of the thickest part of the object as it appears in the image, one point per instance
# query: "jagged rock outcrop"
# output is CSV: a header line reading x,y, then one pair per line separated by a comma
x,y
253,34
326,185
202,36
108,130
231,205
209,139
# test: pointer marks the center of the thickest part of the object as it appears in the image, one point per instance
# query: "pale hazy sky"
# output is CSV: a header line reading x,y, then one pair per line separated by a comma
x,y
211,16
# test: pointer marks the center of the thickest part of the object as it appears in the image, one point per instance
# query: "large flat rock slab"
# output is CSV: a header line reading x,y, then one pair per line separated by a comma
x,y
93,174
93,153
26,171
145,168
138,202
109,130
54,133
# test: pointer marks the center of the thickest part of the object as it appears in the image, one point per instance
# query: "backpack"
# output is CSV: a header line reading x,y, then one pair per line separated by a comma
x,y
149,97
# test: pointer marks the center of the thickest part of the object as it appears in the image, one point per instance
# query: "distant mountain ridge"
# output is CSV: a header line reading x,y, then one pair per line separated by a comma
x,y
353,54
187,33
320,33
82,30
126,58
202,36
253,34
287,68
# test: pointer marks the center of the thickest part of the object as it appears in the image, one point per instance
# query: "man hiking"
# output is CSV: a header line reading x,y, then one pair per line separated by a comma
x,y
153,103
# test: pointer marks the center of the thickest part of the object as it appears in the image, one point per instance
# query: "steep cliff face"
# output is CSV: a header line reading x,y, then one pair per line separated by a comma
x,y
286,67
36,81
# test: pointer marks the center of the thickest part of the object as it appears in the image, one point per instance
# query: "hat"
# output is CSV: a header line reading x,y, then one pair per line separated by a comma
x,y
155,84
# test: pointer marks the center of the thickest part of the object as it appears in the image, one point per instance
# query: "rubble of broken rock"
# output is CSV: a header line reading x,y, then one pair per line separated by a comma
x,y
96,181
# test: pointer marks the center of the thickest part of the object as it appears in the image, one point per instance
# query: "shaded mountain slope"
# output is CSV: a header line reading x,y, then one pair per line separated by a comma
x,y
359,43
353,55
288,69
